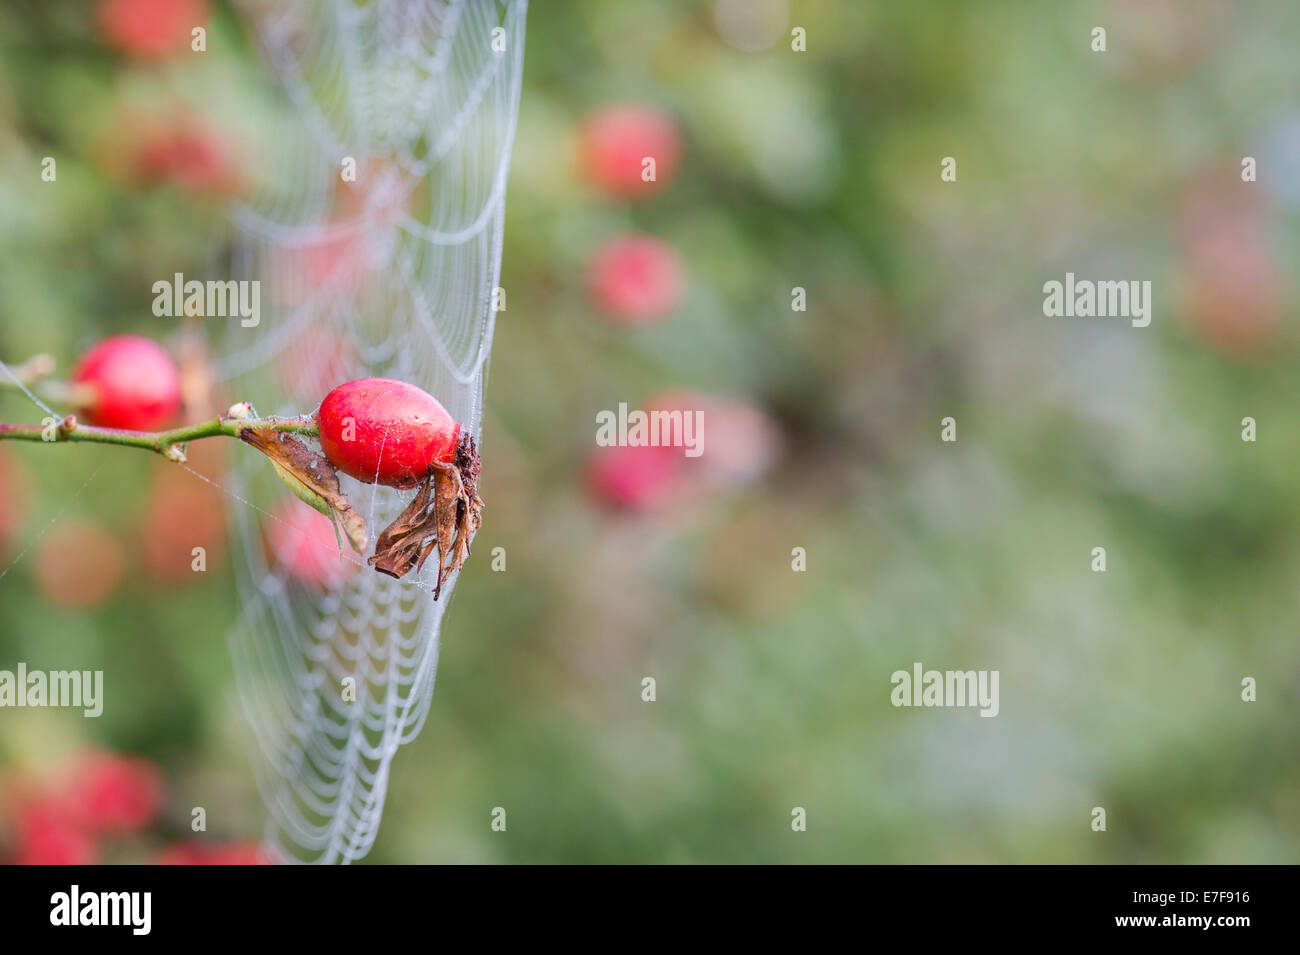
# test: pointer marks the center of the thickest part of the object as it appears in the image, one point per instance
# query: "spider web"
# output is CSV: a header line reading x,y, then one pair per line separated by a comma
x,y
389,275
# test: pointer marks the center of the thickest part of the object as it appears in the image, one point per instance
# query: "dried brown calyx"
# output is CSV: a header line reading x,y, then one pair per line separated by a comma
x,y
444,514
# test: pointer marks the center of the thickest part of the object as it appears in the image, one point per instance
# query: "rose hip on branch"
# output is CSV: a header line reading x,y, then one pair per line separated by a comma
x,y
384,431
132,383
377,430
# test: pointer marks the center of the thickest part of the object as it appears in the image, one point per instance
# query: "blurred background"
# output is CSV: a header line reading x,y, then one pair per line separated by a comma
x,y
777,169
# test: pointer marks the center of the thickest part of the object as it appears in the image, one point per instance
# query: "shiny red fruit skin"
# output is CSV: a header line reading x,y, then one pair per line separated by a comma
x,y
397,431
137,384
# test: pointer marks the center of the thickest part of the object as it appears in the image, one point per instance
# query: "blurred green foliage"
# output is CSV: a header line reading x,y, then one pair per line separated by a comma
x,y
821,170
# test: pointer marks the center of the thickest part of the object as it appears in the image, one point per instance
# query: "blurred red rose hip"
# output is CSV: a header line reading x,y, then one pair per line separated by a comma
x,y
78,563
1232,278
109,793
615,143
634,478
150,28
15,487
197,157
737,442
135,383
200,853
636,280
46,837
183,512
304,545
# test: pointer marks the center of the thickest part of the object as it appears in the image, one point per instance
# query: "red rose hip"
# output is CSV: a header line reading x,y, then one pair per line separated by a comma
x,y
615,143
636,279
384,431
634,478
110,793
150,28
305,546
134,382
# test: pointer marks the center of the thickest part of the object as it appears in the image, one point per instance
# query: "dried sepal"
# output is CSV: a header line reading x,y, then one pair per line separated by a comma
x,y
444,514
402,544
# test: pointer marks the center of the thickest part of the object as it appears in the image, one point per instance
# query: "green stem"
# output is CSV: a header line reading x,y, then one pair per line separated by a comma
x,y
167,443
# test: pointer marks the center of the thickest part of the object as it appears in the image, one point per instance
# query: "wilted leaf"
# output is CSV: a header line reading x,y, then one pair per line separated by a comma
x,y
312,478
